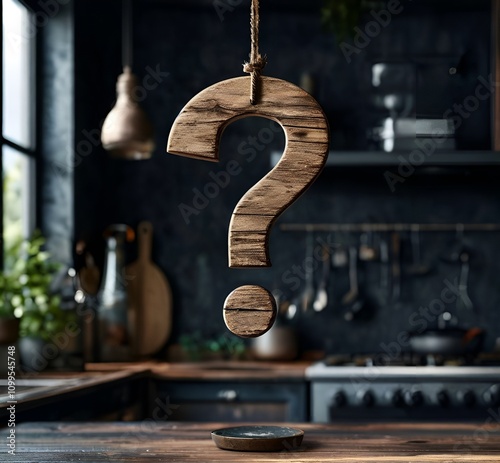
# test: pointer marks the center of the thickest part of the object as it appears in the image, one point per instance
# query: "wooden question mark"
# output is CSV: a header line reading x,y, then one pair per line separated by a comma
x,y
249,311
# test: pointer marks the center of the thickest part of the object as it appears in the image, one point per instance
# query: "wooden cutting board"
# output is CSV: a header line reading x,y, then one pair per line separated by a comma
x,y
150,298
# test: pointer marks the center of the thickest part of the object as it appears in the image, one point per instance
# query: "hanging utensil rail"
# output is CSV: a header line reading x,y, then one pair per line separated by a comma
x,y
388,227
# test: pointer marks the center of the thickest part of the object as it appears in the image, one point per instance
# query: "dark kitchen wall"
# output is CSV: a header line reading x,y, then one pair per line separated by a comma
x,y
187,47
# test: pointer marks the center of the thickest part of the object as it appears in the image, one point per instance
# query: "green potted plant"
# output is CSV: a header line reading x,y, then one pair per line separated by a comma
x,y
29,296
223,347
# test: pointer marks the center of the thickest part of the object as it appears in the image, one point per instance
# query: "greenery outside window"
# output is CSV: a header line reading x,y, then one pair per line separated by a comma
x,y
18,122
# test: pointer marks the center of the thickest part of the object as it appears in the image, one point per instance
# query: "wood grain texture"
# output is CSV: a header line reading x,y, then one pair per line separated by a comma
x,y
249,311
150,298
197,131
190,442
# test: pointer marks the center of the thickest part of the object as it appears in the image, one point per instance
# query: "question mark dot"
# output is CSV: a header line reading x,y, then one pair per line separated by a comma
x,y
250,311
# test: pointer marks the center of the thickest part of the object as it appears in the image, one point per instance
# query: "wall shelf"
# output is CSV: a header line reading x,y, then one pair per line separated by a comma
x,y
379,158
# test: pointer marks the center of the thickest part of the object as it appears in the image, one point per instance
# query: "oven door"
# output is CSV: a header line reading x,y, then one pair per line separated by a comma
x,y
437,401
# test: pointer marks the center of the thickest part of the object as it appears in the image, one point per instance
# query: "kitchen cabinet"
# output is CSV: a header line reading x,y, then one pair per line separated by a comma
x,y
183,442
235,401
111,396
232,391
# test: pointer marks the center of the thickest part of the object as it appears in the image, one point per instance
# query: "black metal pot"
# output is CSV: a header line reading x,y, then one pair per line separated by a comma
x,y
448,341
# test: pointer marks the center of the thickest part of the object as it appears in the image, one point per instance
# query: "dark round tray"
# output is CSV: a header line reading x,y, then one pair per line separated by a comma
x,y
258,438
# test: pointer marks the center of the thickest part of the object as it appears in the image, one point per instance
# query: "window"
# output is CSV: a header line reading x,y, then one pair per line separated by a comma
x,y
18,122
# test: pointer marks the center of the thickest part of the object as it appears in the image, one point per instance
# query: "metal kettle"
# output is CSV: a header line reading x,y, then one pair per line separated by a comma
x,y
279,343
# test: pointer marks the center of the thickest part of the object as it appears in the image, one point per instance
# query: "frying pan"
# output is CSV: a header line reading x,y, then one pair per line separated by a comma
x,y
448,341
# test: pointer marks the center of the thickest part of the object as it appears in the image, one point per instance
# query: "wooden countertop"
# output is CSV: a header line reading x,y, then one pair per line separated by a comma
x,y
189,442
47,384
214,370
247,371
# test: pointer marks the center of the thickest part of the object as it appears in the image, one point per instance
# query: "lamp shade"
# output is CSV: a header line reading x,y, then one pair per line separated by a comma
x,y
127,132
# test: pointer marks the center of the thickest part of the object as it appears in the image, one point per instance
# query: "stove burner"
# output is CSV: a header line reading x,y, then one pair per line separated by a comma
x,y
411,360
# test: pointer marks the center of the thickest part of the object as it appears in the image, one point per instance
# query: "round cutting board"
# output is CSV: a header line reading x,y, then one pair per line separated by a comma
x,y
150,298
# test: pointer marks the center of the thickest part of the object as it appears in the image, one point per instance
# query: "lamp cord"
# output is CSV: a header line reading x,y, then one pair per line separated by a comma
x,y
127,34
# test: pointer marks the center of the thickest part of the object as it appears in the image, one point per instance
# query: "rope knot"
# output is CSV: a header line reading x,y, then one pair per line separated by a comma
x,y
256,65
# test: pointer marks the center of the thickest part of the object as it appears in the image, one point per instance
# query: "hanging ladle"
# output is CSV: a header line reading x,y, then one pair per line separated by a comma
x,y
352,299
464,299
321,300
308,294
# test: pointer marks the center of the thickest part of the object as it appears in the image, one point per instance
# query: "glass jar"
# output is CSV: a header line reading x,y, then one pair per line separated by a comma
x,y
113,337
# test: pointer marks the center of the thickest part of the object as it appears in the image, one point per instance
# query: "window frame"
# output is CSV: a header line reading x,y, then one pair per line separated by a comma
x,y
30,152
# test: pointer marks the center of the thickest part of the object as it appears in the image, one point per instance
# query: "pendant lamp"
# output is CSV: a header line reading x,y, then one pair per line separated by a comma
x,y
127,132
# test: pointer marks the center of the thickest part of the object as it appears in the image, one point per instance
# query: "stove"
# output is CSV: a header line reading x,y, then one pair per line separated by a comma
x,y
429,389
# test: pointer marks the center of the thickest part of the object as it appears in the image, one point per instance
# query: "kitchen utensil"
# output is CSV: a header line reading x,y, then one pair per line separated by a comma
x,y
281,304
340,257
150,297
452,341
384,270
292,309
353,292
396,268
321,300
464,300
367,251
460,253
353,300
418,268
258,438
308,294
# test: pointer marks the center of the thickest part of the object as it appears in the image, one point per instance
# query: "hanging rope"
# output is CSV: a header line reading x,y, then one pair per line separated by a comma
x,y
257,62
